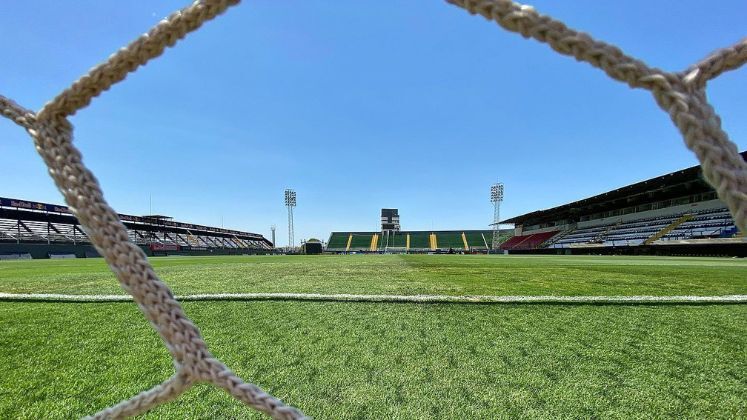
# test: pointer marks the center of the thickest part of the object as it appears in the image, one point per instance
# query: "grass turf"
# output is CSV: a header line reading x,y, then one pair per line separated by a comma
x,y
374,360
364,360
398,274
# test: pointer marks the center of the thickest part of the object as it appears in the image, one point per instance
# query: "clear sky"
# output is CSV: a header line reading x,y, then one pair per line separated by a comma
x,y
357,105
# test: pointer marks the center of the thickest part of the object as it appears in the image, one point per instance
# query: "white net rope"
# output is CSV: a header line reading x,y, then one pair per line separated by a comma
x,y
681,94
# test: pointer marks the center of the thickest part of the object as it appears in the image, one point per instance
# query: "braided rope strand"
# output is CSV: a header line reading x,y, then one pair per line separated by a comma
x,y
142,402
722,165
129,263
150,45
52,134
682,95
678,94
526,21
16,113
718,62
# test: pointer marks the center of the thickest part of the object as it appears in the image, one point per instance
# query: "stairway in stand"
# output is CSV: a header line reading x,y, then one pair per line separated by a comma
x,y
350,240
374,242
668,228
433,241
558,237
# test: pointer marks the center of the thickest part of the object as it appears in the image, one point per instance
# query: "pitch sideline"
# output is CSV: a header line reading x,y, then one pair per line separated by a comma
x,y
344,297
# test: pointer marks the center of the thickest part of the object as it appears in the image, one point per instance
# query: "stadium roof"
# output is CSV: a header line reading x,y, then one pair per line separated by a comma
x,y
403,232
32,210
157,216
673,185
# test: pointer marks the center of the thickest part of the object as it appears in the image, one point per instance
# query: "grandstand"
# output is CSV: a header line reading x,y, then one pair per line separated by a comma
x,y
39,230
413,241
676,213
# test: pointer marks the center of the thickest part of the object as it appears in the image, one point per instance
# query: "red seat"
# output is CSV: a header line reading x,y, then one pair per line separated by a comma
x,y
531,241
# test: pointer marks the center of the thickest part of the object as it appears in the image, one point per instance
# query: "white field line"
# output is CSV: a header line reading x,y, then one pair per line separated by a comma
x,y
344,297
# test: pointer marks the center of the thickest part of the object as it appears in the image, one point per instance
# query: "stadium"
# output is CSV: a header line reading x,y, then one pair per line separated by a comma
x,y
412,241
677,213
674,214
629,303
37,230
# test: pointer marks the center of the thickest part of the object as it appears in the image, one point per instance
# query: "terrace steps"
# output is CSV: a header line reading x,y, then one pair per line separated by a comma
x,y
350,240
668,228
374,242
433,241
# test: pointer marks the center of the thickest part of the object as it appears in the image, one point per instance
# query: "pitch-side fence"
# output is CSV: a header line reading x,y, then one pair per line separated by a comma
x,y
681,94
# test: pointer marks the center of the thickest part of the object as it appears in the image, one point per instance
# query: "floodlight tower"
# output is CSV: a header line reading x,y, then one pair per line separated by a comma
x,y
290,202
496,197
274,244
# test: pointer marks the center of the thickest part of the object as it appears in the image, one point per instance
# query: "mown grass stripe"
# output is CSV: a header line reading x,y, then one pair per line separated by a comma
x,y
343,297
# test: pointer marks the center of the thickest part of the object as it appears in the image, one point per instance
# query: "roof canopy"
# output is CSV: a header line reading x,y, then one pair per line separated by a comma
x,y
673,185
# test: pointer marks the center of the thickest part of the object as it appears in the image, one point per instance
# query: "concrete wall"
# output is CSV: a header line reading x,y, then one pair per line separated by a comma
x,y
43,250
88,251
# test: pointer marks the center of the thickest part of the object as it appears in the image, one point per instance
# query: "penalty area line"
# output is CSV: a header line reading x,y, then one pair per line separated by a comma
x,y
345,297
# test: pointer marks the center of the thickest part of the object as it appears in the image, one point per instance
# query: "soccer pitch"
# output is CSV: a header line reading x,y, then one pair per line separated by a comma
x,y
400,360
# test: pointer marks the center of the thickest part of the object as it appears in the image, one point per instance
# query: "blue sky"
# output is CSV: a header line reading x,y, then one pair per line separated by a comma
x,y
358,106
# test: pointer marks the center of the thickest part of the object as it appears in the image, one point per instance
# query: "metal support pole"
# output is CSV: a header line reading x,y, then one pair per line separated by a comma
x,y
290,203
496,197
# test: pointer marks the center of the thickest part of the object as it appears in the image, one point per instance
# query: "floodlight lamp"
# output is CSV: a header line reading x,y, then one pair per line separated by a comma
x,y
290,198
496,193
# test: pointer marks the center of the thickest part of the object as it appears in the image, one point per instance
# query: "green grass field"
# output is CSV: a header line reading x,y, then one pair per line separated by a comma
x,y
391,360
397,274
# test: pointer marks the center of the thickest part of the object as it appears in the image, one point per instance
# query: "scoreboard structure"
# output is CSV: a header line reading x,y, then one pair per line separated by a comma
x,y
390,220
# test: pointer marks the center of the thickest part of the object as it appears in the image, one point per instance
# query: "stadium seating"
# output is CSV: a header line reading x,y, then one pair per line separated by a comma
x,y
676,210
38,223
479,240
707,223
531,241
34,231
450,240
361,241
393,240
420,241
338,241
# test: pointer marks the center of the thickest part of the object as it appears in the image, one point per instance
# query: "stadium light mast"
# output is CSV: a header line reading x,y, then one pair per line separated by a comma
x,y
290,202
496,197
274,244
